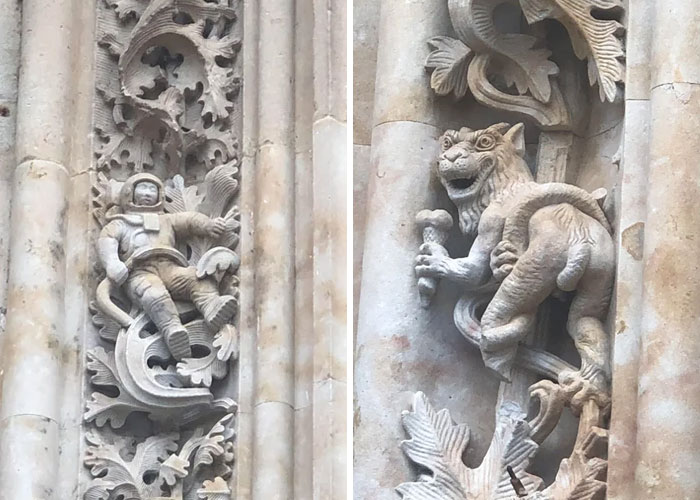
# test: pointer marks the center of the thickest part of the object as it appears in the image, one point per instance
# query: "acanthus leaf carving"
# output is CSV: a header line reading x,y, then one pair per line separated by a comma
x,y
482,55
119,477
437,443
449,62
593,38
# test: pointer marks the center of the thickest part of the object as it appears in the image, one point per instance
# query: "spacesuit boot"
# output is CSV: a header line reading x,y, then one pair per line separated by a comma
x,y
164,314
216,309
219,310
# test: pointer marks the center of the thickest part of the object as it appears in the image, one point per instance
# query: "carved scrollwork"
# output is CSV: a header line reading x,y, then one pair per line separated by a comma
x,y
512,71
164,198
168,84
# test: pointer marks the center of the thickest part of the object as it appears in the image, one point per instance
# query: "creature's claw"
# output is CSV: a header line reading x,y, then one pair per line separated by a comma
x,y
503,258
581,388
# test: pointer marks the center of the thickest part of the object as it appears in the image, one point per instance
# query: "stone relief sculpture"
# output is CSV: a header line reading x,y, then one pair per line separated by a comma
x,y
164,201
484,61
531,239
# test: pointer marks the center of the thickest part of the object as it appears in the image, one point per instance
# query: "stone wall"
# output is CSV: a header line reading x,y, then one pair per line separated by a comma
x,y
209,361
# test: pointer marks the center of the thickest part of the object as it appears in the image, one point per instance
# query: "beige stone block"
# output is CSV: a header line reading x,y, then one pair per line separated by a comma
x,y
640,31
403,85
668,412
365,16
330,59
276,73
626,324
674,57
43,125
29,447
361,167
330,439
330,249
10,24
304,451
273,462
32,344
274,261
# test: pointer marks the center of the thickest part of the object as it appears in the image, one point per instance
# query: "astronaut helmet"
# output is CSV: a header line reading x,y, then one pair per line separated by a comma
x,y
128,193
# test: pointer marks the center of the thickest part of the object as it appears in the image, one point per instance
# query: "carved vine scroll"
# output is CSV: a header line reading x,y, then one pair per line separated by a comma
x,y
514,71
160,420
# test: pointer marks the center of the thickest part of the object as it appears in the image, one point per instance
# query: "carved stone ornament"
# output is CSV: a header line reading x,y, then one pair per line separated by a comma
x,y
165,307
514,71
530,241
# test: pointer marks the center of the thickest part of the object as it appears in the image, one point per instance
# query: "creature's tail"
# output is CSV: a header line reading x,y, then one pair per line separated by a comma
x,y
554,193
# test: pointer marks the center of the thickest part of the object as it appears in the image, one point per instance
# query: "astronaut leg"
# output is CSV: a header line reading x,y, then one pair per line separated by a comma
x,y
204,293
153,296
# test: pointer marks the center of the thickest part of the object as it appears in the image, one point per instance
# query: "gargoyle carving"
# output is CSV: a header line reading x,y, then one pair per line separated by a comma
x,y
530,241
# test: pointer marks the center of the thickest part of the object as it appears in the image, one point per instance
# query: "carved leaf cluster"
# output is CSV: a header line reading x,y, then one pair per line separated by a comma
x,y
155,469
201,456
102,408
482,54
117,477
449,62
437,444
596,39
578,478
166,100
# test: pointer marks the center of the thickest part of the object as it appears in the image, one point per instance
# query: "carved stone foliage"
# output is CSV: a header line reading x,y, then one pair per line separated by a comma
x,y
160,418
167,82
530,241
437,444
515,71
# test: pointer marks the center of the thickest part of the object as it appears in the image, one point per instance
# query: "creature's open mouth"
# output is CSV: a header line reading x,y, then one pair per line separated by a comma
x,y
462,184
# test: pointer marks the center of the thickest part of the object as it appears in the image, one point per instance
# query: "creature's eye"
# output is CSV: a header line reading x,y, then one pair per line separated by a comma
x,y
485,143
446,142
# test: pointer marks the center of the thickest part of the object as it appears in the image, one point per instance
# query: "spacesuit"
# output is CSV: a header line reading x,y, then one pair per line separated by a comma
x,y
153,280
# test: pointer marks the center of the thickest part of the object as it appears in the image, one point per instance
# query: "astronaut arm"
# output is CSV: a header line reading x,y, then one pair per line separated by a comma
x,y
188,224
108,253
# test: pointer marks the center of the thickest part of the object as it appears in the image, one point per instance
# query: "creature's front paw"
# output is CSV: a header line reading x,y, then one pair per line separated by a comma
x,y
433,261
503,259
581,388
432,266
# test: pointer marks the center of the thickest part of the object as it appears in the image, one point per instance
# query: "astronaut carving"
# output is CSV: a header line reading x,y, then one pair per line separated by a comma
x,y
138,249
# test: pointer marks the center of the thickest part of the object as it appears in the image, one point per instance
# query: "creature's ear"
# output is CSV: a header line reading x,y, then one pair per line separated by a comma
x,y
516,136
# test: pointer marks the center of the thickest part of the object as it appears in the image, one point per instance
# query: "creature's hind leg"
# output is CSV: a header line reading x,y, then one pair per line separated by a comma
x,y
585,325
511,314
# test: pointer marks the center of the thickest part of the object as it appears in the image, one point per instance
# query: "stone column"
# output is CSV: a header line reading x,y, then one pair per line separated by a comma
x,y
273,449
631,213
9,65
668,413
31,358
329,250
400,347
